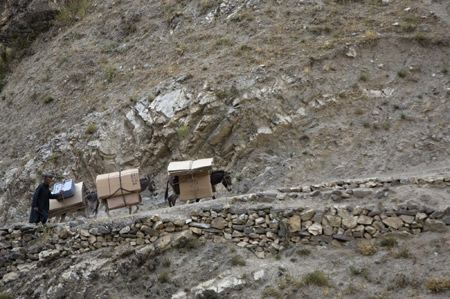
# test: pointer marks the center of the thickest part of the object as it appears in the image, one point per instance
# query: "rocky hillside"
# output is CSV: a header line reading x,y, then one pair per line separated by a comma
x,y
277,91
281,93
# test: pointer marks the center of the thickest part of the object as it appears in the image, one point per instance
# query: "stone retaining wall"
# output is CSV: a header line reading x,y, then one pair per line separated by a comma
x,y
263,229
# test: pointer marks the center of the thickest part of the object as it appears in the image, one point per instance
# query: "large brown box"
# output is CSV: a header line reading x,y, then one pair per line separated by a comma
x,y
189,167
194,178
67,205
194,186
120,201
117,183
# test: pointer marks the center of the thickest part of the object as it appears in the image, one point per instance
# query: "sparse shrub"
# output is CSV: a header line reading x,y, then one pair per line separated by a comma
x,y
269,292
208,294
163,277
188,243
387,125
2,85
109,71
366,124
91,129
402,115
438,285
206,5
370,35
48,100
351,289
408,27
363,77
220,94
182,131
401,253
5,296
388,242
401,281
134,275
237,261
304,251
166,263
420,37
72,11
367,248
225,42
317,277
94,276
445,71
53,158
401,73
355,271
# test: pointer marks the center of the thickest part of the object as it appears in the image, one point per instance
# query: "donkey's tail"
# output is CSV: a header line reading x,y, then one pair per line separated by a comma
x,y
96,206
167,191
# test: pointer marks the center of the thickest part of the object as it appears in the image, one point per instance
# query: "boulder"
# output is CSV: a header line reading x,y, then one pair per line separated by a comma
x,y
393,222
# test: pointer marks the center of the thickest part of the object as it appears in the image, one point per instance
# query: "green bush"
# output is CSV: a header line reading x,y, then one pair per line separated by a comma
x,y
48,100
91,129
304,251
388,242
166,263
237,261
110,72
163,277
72,11
188,243
208,294
182,132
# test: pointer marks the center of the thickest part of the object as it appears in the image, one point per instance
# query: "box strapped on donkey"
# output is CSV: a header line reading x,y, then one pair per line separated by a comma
x,y
194,178
120,189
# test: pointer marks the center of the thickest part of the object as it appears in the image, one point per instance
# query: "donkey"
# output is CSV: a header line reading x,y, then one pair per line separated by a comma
x,y
146,183
217,177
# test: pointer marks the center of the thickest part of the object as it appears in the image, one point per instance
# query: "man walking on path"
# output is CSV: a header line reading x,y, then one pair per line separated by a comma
x,y
41,204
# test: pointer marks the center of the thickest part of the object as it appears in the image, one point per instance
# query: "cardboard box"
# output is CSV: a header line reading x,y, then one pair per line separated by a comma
x,y
189,167
120,201
68,205
112,184
194,186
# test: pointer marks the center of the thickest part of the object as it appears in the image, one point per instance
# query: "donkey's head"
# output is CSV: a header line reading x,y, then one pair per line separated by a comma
x,y
226,181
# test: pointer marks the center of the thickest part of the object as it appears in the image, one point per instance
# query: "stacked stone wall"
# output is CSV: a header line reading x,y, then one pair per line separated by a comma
x,y
263,229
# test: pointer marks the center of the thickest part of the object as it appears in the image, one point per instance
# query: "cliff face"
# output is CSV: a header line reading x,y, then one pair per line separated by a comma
x,y
279,93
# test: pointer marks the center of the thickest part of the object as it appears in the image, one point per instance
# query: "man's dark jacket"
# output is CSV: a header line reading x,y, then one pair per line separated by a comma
x,y
41,200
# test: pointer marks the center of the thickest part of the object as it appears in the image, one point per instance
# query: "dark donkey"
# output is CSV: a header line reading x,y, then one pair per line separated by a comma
x,y
92,197
217,177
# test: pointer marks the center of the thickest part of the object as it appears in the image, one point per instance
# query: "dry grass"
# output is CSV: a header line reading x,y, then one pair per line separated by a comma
x,y
388,242
367,248
438,285
317,277
237,261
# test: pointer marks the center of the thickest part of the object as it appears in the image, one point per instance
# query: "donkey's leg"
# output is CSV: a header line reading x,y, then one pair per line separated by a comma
x,y
137,209
106,208
63,217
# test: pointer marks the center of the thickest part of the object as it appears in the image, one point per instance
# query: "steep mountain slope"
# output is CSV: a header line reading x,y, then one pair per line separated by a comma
x,y
278,92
